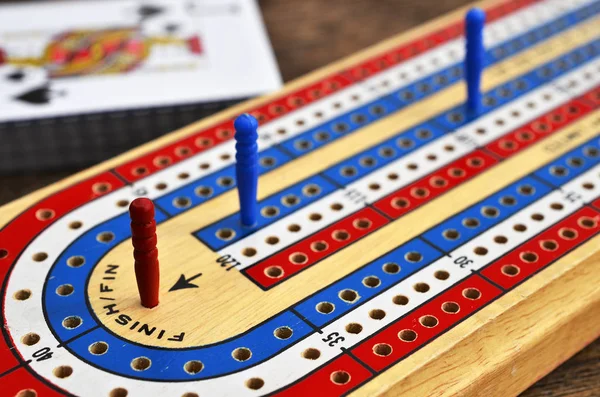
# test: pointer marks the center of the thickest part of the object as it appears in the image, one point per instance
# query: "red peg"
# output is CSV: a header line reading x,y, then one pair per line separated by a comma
x,y
145,253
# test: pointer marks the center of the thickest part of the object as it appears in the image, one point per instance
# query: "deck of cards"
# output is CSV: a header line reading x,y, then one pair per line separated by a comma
x,y
83,81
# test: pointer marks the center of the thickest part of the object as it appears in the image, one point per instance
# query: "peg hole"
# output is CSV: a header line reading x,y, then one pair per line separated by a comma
x,y
400,300
255,383
391,268
428,321
382,349
64,290
30,339
63,371
471,293
348,295
274,272
340,377
377,314
193,367
241,354
283,333
22,295
450,307
40,256
98,348
407,335
325,307
311,354
510,270
354,328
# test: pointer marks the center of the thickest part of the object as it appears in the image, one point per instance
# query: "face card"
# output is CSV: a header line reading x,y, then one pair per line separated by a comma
x,y
98,56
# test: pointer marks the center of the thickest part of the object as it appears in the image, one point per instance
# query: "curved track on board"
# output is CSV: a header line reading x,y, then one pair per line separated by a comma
x,y
69,232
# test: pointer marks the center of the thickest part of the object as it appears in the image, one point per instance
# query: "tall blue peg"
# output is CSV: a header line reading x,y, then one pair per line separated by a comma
x,y
474,59
246,167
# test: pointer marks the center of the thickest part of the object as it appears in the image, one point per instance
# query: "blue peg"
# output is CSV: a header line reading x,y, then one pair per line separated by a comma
x,y
474,58
246,167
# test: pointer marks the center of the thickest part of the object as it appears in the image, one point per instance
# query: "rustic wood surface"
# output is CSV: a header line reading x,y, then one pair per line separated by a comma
x,y
307,34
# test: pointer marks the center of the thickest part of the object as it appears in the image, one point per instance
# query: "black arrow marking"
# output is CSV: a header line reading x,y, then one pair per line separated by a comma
x,y
184,283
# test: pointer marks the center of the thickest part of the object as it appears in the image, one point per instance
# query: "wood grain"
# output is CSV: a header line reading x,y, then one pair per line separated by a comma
x,y
309,34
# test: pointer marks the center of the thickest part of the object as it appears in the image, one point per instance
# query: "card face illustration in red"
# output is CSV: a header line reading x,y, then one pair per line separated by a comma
x,y
76,58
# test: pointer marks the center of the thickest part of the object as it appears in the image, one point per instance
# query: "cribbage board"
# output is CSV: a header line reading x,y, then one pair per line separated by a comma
x,y
402,248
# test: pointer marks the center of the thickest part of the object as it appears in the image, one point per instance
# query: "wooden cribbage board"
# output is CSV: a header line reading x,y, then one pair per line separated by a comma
x,y
403,247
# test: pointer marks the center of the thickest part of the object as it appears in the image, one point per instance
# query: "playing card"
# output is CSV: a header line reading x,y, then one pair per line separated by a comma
x,y
75,58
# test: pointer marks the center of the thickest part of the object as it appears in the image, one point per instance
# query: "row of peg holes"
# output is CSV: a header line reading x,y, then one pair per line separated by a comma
x,y
351,296
303,144
387,152
453,234
46,214
537,126
318,115
574,162
301,258
182,202
437,181
271,211
512,270
204,192
427,321
453,55
76,261
515,114
490,211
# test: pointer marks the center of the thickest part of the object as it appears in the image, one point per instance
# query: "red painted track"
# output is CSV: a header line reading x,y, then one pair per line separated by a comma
x,y
316,247
334,379
13,384
542,250
540,128
427,322
435,184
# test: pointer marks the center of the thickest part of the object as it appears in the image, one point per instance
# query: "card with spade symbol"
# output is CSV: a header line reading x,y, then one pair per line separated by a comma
x,y
84,81
69,58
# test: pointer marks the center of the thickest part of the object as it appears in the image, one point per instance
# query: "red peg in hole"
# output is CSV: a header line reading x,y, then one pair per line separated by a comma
x,y
145,252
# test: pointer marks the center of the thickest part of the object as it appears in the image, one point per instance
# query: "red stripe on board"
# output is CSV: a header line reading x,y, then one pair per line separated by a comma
x,y
15,236
435,184
334,379
425,323
596,203
22,380
7,359
540,128
418,46
309,251
210,137
593,97
544,249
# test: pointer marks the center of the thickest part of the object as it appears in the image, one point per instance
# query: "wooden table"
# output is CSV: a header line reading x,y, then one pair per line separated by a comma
x,y
308,34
